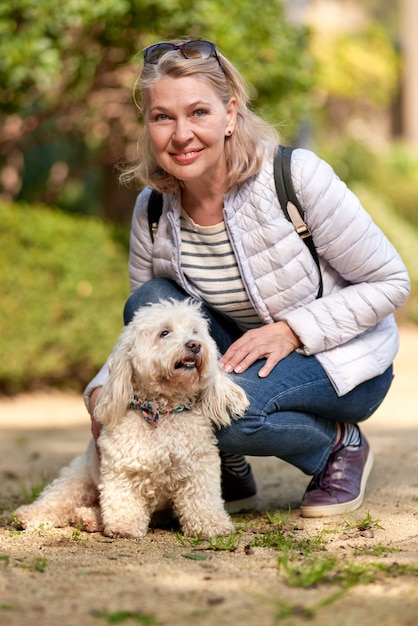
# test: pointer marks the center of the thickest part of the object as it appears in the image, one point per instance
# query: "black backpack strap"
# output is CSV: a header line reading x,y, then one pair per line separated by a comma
x,y
155,208
290,204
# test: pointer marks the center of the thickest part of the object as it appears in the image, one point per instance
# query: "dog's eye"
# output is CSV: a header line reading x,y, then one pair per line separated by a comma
x,y
165,333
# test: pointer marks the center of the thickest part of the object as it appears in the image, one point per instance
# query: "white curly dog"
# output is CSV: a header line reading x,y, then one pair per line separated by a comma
x,y
165,393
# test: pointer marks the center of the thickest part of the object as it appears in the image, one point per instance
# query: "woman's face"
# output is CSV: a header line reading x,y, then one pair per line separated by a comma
x,y
187,123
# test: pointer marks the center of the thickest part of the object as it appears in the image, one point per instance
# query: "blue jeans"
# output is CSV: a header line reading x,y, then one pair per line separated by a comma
x,y
293,412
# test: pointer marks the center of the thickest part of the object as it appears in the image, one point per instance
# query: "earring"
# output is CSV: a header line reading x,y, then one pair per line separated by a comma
x,y
229,132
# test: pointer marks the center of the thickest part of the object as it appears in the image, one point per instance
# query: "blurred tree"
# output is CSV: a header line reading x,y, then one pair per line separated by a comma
x,y
386,12
66,77
358,73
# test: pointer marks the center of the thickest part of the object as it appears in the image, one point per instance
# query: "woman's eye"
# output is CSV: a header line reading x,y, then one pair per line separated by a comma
x,y
200,113
164,333
161,117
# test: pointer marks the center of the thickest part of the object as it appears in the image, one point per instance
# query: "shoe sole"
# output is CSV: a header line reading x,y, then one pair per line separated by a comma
x,y
343,507
241,506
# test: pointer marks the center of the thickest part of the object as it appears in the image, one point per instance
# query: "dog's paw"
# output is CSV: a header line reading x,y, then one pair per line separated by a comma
x,y
208,530
88,518
118,532
19,518
24,518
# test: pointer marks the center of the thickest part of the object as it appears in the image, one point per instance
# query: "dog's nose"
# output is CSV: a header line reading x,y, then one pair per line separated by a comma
x,y
193,346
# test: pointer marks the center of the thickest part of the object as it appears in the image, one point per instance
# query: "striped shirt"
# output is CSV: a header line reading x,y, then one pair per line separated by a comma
x,y
209,263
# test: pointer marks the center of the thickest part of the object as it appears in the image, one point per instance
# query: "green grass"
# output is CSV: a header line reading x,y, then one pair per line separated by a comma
x,y
286,542
375,551
227,543
329,571
362,524
118,617
308,573
39,564
304,562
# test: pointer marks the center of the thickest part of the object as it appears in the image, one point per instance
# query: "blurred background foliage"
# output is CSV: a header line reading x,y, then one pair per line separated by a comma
x,y
64,281
67,119
67,72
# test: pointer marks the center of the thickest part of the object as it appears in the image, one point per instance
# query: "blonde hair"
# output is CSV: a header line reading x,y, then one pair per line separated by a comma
x,y
244,149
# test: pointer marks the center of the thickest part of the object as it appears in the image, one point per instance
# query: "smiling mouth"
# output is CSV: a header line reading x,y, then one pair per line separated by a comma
x,y
186,155
187,364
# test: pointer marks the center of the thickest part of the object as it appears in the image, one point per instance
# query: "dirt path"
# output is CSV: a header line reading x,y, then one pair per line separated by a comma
x,y
66,578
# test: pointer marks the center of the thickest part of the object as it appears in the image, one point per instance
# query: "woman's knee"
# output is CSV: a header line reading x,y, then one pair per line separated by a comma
x,y
241,436
228,441
150,292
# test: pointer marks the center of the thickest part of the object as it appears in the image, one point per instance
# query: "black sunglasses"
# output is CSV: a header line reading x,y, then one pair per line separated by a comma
x,y
195,49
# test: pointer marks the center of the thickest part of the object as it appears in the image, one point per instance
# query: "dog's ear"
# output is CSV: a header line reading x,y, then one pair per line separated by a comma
x,y
223,399
117,390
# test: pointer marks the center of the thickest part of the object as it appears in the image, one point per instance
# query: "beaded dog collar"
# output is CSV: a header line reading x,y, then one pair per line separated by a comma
x,y
151,410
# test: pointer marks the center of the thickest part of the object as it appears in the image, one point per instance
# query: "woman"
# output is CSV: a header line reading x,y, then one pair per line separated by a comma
x,y
312,368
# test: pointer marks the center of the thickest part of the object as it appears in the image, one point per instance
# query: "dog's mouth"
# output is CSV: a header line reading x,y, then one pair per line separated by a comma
x,y
187,364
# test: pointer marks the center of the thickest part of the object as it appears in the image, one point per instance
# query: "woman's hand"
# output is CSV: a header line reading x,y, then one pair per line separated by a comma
x,y
272,342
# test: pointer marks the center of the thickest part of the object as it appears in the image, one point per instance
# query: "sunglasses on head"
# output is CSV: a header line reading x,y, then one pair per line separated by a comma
x,y
196,49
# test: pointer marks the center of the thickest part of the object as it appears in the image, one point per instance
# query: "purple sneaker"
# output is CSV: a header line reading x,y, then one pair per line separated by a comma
x,y
340,487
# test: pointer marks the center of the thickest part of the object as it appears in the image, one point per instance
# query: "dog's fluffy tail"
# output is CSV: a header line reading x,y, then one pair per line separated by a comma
x,y
76,486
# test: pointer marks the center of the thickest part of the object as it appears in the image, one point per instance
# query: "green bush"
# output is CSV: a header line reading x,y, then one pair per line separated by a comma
x,y
63,281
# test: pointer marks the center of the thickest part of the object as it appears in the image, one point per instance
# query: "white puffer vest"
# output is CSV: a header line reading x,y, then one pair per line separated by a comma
x,y
351,329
